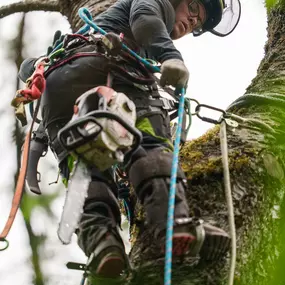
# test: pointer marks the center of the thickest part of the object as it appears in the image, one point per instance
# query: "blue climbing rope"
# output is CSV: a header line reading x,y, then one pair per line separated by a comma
x,y
171,201
86,16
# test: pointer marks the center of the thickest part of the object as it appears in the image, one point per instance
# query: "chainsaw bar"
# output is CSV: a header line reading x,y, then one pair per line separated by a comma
x,y
76,194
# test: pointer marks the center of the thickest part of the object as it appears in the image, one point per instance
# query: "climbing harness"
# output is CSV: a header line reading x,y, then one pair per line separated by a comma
x,y
86,16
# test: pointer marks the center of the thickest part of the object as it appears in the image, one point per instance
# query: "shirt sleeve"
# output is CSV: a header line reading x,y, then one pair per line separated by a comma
x,y
151,22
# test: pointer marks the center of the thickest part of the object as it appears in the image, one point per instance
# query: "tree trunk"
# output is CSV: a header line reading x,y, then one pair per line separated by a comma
x,y
70,9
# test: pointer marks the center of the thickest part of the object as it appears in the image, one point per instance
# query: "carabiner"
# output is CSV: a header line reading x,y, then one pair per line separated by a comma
x,y
207,119
5,241
194,100
54,54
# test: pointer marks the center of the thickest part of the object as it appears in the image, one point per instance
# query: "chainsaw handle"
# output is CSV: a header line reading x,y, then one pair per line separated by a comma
x,y
105,114
92,116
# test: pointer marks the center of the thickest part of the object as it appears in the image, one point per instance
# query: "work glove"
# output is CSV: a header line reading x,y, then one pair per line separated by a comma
x,y
174,72
113,43
57,39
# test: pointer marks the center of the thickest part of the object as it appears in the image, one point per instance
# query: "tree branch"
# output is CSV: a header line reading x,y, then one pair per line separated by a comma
x,y
28,6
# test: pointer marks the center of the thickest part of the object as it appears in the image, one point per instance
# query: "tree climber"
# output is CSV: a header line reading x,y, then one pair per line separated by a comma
x,y
149,27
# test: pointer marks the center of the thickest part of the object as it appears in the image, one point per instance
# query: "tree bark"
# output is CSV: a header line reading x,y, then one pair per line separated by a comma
x,y
70,9
256,160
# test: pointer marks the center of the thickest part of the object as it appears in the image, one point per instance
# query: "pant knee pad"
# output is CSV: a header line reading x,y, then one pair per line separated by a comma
x,y
154,165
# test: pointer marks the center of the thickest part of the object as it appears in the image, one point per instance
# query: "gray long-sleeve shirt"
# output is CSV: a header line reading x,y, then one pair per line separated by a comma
x,y
147,23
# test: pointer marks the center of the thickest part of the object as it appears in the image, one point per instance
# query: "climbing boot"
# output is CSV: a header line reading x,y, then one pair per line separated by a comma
x,y
108,259
191,237
187,237
216,243
98,234
150,176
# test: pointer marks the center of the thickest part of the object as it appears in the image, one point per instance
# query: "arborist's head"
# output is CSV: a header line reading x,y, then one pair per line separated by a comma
x,y
219,17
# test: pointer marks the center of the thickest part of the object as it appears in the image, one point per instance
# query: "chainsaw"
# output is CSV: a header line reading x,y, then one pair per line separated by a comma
x,y
101,133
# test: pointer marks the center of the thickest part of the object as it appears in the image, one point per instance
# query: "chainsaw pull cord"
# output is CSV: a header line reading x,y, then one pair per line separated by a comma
x,y
171,201
228,194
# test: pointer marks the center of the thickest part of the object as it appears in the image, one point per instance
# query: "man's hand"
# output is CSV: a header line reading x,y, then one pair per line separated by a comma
x,y
113,43
174,72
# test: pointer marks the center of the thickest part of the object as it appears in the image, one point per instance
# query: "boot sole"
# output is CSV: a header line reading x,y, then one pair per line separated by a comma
x,y
111,266
215,247
181,244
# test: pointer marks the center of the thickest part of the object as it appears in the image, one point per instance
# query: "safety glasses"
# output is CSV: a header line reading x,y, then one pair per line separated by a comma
x,y
194,11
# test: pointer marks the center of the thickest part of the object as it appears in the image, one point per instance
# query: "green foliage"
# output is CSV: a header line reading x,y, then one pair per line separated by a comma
x,y
29,203
272,3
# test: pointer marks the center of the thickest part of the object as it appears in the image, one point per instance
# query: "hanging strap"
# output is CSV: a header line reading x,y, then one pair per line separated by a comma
x,y
34,90
20,182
